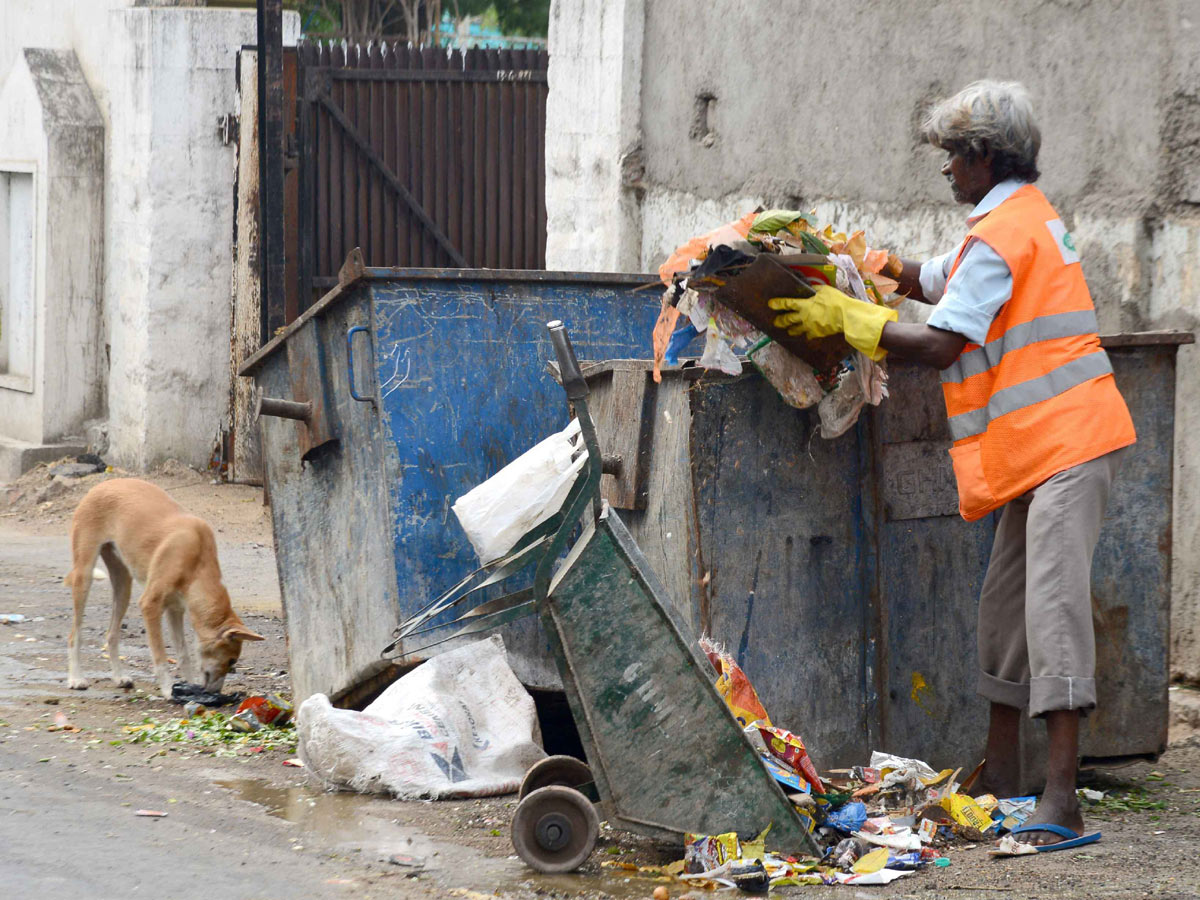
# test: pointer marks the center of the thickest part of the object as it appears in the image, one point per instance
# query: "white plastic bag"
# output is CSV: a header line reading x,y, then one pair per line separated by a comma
x,y
717,352
459,725
522,495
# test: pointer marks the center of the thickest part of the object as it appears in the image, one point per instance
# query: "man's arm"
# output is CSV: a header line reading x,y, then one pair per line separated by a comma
x,y
922,343
908,273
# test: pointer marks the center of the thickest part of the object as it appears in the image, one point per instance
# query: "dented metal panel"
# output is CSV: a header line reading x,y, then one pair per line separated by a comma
x,y
842,578
455,364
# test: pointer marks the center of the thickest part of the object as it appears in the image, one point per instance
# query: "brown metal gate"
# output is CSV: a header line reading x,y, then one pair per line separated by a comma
x,y
421,157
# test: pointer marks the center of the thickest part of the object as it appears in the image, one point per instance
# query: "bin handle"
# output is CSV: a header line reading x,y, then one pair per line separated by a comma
x,y
350,360
573,381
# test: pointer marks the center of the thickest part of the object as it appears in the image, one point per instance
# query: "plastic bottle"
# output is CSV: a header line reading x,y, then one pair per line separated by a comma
x,y
847,852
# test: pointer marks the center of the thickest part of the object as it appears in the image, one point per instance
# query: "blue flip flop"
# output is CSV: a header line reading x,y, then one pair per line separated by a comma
x,y
1069,838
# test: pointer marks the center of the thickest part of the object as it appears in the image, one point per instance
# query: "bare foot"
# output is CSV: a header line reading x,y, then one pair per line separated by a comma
x,y
1055,809
998,781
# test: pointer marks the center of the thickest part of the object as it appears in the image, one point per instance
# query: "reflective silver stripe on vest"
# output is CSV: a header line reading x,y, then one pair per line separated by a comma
x,y
1027,393
1043,328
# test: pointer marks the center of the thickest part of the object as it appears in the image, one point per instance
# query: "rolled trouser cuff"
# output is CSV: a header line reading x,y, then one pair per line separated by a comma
x,y
1048,693
1008,693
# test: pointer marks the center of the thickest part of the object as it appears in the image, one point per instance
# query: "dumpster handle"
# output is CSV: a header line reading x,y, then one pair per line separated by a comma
x,y
573,381
350,360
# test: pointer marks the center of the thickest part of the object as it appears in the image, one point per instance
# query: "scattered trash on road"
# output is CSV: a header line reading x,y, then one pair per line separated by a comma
x,y
412,865
269,710
212,731
11,618
62,723
151,814
183,692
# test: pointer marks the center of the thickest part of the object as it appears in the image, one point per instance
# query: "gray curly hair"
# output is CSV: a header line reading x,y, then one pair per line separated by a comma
x,y
989,115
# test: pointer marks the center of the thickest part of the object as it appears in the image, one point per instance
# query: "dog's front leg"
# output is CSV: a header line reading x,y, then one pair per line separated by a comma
x,y
181,644
152,604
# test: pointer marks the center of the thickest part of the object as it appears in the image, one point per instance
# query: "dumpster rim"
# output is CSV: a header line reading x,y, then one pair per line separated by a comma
x,y
379,273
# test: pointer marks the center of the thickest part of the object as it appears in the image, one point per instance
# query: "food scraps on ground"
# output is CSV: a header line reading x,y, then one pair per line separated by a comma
x,y
211,732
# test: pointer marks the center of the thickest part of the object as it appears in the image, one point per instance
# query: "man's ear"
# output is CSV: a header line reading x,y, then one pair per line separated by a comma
x,y
242,633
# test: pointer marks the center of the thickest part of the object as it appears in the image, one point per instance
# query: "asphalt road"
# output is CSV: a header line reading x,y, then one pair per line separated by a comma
x,y
244,827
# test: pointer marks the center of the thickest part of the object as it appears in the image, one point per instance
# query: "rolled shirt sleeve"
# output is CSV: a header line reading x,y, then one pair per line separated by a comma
x,y
970,300
933,275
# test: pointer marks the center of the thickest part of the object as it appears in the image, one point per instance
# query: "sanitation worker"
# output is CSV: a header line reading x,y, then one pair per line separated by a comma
x,y
1037,422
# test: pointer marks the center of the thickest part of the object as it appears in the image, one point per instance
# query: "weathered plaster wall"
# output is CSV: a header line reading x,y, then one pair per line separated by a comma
x,y
55,132
794,103
169,268
163,75
595,84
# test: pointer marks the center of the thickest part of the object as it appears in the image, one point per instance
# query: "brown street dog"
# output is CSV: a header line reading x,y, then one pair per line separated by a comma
x,y
142,533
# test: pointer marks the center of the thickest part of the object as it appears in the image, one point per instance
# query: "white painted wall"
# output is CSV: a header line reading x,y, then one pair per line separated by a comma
x,y
594,103
163,76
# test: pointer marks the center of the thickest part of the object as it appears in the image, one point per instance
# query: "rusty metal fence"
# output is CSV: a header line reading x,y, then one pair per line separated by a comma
x,y
421,157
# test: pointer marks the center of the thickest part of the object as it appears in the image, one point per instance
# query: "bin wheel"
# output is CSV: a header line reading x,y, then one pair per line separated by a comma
x,y
555,829
564,770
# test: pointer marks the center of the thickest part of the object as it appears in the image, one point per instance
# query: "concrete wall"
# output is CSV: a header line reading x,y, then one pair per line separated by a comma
x,y
592,147
744,102
163,75
169,268
54,133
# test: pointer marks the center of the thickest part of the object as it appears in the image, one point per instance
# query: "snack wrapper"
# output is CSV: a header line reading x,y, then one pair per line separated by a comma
x,y
734,687
788,747
967,812
705,852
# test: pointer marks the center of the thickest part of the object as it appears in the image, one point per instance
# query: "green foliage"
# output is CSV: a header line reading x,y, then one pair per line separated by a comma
x,y
530,18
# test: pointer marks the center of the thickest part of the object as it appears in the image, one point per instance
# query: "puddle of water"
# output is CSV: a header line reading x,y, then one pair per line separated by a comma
x,y
356,820
339,818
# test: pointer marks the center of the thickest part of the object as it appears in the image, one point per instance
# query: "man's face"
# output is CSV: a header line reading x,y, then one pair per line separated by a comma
x,y
970,178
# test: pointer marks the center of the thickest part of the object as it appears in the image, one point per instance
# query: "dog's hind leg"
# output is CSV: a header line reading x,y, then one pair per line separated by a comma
x,y
122,585
83,560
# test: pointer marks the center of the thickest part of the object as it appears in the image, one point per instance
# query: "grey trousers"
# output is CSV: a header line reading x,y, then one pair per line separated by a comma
x,y
1036,643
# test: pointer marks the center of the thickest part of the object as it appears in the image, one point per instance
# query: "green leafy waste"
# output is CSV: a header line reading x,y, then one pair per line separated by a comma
x,y
211,730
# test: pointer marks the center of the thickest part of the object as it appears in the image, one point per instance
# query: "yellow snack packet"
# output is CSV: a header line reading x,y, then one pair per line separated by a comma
x,y
966,811
871,862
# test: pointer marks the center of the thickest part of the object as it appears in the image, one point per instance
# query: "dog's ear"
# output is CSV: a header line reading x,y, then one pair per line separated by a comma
x,y
242,633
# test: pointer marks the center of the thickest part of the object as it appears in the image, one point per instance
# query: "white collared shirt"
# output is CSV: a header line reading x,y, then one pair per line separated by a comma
x,y
982,283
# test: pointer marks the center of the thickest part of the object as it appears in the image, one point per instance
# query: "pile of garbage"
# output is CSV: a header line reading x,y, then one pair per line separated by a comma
x,y
874,823
719,284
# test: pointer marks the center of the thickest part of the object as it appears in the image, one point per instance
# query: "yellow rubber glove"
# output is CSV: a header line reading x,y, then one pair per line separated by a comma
x,y
832,312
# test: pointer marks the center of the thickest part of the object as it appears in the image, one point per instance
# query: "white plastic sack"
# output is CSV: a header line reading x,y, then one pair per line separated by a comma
x,y
459,725
522,495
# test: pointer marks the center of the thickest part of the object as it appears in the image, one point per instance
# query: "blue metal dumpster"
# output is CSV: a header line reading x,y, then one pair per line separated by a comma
x,y
405,388
840,574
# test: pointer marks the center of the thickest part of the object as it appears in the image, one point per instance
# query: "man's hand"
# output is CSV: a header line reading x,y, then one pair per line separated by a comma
x,y
829,312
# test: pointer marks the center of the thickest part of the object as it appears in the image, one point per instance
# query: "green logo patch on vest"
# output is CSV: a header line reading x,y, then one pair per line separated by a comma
x,y
1063,241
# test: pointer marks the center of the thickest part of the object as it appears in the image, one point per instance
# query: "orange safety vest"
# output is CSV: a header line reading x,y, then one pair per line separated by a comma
x,y
1039,396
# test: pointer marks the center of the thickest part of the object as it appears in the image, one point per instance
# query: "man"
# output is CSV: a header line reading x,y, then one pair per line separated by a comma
x,y
1037,422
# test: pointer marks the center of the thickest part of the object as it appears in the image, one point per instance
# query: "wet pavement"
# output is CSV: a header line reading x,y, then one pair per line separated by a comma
x,y
242,826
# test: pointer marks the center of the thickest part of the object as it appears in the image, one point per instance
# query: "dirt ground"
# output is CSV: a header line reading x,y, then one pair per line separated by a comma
x,y
242,826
